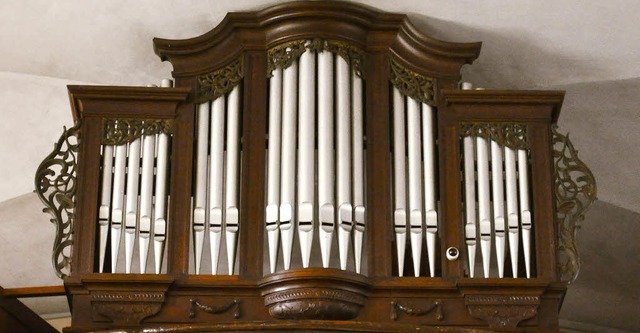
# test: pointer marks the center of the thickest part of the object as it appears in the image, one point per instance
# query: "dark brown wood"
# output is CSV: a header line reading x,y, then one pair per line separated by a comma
x,y
29,292
15,317
252,300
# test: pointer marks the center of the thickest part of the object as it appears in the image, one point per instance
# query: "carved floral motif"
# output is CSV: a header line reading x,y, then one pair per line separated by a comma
x,y
219,82
118,131
510,135
55,184
125,308
417,86
575,190
314,303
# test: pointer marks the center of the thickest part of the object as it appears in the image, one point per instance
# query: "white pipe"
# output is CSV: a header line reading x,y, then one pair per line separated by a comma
x,y
431,214
512,207
399,178
216,165
160,208
498,204
117,213
326,176
146,197
484,202
470,202
131,218
199,213
358,169
273,171
306,153
232,181
343,126
525,211
288,161
105,202
415,182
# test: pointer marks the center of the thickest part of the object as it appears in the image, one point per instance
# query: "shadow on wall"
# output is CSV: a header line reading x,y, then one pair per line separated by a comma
x,y
510,59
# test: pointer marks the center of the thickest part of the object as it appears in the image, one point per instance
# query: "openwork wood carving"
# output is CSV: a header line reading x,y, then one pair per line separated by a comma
x,y
56,183
418,312
118,131
575,191
235,304
282,56
502,312
219,82
417,86
124,308
510,135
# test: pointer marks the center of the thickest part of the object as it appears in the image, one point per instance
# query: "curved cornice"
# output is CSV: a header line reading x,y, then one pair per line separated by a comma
x,y
371,29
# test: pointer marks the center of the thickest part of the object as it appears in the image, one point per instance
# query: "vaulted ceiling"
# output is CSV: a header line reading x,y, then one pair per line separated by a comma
x,y
589,49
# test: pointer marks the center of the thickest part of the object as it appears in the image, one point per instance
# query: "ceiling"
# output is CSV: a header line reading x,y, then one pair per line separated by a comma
x,y
590,49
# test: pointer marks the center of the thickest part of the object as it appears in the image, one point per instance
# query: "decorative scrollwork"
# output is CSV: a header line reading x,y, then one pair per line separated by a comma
x,y
118,131
510,135
219,82
215,309
282,56
56,183
575,190
417,86
395,306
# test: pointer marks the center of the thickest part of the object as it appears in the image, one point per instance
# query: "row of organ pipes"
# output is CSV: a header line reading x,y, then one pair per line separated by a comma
x,y
134,194
293,201
509,173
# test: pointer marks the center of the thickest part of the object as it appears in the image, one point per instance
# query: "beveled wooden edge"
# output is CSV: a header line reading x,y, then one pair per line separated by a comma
x,y
307,274
399,36
28,292
514,97
77,93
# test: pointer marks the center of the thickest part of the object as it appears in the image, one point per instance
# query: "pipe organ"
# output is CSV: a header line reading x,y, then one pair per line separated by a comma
x,y
315,166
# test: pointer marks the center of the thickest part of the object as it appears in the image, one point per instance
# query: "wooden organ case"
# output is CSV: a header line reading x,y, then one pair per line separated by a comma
x,y
315,168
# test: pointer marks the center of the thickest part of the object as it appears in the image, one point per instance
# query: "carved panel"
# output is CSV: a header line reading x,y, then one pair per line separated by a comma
x,y
219,82
282,56
417,86
575,190
212,309
502,312
314,303
510,135
118,131
126,308
55,183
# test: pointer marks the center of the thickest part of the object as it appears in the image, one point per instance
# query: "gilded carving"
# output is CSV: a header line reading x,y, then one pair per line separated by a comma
x,y
219,82
417,312
510,135
575,190
235,304
125,308
55,183
282,56
417,86
502,312
118,131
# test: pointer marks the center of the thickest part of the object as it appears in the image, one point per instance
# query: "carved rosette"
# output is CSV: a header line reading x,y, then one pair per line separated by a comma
x,y
502,312
314,293
282,56
118,131
55,183
417,86
126,308
220,82
575,190
510,135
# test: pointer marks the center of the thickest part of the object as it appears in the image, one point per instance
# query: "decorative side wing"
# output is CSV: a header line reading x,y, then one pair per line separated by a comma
x,y
575,191
56,183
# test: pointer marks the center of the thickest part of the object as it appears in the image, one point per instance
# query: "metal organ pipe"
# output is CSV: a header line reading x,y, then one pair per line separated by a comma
x,y
216,165
431,214
273,170
415,182
146,198
105,203
232,181
199,213
400,178
343,126
358,169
